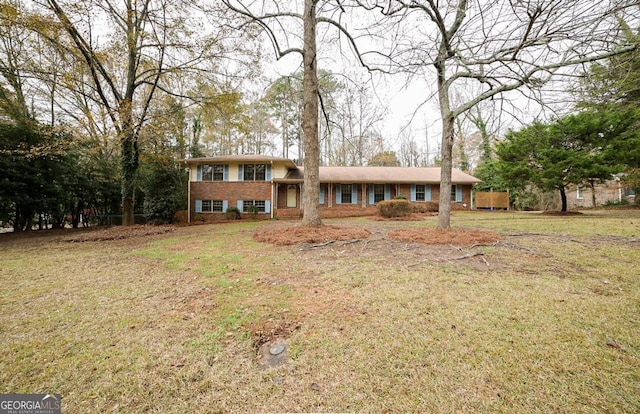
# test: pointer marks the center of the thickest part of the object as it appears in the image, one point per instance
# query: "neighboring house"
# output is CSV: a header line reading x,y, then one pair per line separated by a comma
x,y
275,186
612,191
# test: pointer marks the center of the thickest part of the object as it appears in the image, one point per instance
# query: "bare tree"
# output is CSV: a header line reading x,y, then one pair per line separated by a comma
x,y
282,28
500,45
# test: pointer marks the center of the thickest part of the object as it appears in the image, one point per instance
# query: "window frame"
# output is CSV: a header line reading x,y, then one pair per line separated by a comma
x,y
260,204
423,192
346,195
212,172
378,196
212,206
254,172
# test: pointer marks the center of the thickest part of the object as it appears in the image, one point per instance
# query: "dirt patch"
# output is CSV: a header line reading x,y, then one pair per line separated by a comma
x,y
561,213
117,233
310,234
456,237
266,331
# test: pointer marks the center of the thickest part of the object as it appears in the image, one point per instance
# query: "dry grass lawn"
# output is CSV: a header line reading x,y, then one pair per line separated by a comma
x,y
543,317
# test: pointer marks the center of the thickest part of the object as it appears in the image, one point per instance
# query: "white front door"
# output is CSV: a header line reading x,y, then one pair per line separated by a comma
x,y
292,196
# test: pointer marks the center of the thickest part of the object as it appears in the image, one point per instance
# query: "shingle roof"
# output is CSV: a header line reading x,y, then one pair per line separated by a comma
x,y
383,175
240,159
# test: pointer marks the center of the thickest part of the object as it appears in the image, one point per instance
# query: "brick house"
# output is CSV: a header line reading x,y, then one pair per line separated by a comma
x,y
273,187
611,191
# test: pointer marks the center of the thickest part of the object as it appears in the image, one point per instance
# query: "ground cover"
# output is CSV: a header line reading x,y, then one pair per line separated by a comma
x,y
544,318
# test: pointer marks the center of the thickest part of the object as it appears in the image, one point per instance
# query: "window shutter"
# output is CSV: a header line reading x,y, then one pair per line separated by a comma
x,y
267,206
226,172
225,205
240,172
427,193
338,193
268,174
387,191
372,199
199,173
239,205
413,192
198,206
321,194
354,193
459,193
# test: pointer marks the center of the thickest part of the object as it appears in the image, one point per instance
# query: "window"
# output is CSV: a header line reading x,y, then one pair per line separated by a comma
x,y
213,172
580,193
453,192
346,193
212,206
259,205
629,192
254,172
378,193
421,192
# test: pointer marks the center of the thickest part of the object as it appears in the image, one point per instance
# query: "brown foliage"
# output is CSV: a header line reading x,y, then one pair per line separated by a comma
x,y
394,208
118,233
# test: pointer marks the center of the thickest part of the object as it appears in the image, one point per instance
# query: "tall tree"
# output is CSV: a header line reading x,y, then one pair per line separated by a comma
x,y
146,41
611,88
570,150
278,24
499,45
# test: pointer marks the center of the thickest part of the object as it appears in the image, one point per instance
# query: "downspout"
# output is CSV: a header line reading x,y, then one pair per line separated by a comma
x,y
273,201
189,197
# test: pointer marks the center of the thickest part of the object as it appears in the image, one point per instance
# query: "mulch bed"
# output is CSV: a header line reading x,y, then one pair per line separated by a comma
x,y
117,233
310,234
454,236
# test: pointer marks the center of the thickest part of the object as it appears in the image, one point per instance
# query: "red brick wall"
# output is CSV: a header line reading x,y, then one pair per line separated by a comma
x,y
232,191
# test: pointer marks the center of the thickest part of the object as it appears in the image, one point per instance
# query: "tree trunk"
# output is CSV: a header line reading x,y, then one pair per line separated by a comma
x,y
563,198
130,162
311,216
593,193
446,166
448,127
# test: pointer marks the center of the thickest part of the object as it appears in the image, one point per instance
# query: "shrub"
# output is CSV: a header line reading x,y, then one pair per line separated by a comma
x,y
400,197
233,213
394,208
426,207
253,210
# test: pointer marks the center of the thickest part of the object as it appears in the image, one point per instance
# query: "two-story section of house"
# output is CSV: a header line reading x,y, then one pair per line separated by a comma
x,y
274,187
241,181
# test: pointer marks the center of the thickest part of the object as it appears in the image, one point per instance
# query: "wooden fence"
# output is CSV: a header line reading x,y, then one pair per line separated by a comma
x,y
492,200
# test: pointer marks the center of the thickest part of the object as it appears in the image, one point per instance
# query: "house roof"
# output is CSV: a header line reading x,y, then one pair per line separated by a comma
x,y
241,159
381,175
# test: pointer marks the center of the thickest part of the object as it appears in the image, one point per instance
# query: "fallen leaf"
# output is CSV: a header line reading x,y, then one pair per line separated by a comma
x,y
613,344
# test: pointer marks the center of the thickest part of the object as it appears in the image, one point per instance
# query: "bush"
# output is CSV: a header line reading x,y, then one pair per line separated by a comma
x,y
394,208
233,213
400,197
253,210
427,207
164,183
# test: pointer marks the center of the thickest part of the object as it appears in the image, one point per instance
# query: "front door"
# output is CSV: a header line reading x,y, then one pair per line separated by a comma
x,y
292,196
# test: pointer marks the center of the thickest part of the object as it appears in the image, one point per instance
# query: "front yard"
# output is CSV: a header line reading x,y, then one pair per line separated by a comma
x,y
547,319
